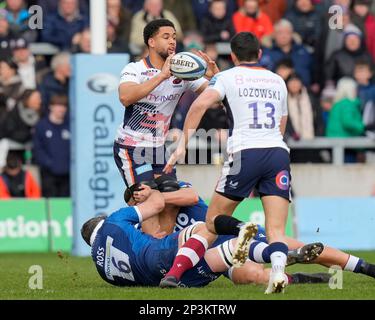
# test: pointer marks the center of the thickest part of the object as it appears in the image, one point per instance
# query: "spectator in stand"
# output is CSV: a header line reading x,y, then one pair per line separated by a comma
x,y
60,27
284,68
193,41
200,9
285,47
51,149
332,39
51,6
16,182
119,18
152,9
327,99
363,74
18,18
6,35
183,11
345,119
365,21
83,42
307,22
31,69
275,9
250,18
342,62
11,87
222,63
217,26
19,123
56,81
115,42
133,5
300,109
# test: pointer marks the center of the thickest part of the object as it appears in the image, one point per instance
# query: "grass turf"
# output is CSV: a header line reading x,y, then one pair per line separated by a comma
x,y
67,277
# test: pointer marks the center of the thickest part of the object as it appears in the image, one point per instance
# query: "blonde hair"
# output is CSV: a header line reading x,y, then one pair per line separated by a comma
x,y
346,89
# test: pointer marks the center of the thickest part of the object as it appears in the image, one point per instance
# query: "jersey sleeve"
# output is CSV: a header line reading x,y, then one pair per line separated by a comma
x,y
217,84
196,84
130,74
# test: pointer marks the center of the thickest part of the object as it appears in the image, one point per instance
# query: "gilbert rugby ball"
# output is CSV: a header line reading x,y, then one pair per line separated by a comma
x,y
188,66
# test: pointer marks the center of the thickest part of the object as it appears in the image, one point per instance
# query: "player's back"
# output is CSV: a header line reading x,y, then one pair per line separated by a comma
x,y
117,249
256,101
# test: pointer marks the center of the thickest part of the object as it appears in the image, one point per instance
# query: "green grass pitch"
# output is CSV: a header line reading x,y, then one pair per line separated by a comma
x,y
67,277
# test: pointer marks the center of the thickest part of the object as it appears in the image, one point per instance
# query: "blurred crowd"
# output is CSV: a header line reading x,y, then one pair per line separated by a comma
x,y
325,56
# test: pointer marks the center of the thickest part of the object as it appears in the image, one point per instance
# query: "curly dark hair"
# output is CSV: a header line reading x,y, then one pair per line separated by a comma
x,y
152,28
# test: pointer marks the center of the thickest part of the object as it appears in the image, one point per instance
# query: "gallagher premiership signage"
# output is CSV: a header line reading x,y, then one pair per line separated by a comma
x,y
96,112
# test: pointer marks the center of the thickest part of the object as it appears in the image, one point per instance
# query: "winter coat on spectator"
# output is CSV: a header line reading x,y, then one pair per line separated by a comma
x,y
5,44
342,62
49,87
60,32
51,146
133,5
308,25
18,124
183,12
25,184
301,58
261,25
275,9
366,93
51,6
212,27
345,119
200,9
300,111
367,26
10,92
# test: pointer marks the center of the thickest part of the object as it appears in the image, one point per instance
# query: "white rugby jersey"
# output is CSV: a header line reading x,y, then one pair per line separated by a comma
x,y
147,121
255,100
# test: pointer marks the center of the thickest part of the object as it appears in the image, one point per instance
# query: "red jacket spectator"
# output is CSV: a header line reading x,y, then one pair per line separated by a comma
x,y
16,182
370,35
250,18
275,9
32,189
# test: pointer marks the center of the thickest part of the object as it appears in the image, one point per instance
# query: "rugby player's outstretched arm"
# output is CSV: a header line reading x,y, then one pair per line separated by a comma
x,y
131,92
153,205
182,198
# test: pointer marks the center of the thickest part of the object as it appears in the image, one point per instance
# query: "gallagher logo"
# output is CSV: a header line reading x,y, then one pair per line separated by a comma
x,y
103,83
282,180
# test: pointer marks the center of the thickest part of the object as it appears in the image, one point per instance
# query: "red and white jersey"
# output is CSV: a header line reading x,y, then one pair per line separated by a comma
x,y
255,100
147,121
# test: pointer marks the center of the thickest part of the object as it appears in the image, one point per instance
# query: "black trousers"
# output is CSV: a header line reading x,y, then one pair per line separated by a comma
x,y
55,186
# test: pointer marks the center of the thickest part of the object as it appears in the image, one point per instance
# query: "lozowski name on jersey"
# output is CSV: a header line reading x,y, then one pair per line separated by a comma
x,y
259,93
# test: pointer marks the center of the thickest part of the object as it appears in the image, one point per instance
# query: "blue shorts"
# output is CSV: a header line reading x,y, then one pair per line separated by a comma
x,y
140,164
267,170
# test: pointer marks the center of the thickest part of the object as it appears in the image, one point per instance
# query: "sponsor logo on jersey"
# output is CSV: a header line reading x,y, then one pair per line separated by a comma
x,y
282,180
233,185
103,83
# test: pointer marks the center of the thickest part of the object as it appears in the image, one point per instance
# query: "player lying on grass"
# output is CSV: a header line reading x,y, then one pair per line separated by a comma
x,y
192,209
125,256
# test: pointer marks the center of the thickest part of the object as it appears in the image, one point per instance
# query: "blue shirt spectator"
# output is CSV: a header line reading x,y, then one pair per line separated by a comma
x,y
60,28
284,47
56,81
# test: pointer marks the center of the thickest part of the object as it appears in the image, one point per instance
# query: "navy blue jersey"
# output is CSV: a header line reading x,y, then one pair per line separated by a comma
x,y
125,256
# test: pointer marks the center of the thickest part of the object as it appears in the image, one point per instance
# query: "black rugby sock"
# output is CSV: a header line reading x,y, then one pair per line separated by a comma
x,y
227,225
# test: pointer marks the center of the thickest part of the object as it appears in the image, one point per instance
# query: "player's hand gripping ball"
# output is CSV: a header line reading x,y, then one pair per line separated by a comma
x,y
188,66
